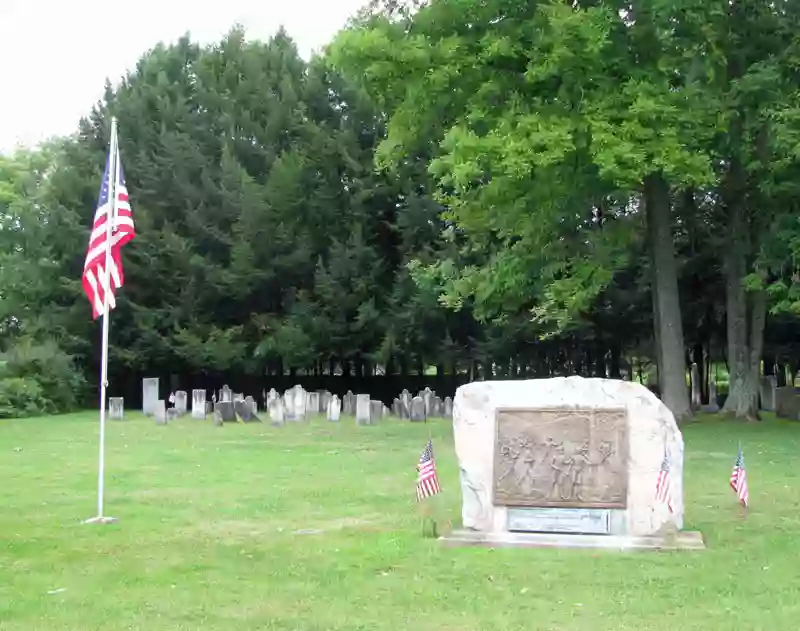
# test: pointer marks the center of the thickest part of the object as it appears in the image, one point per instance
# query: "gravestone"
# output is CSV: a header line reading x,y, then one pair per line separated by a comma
x,y
324,399
226,394
405,399
334,408
375,410
349,404
427,396
226,411
396,408
216,417
448,407
300,403
198,404
437,407
697,392
787,403
160,412
362,409
275,410
768,386
209,408
567,462
116,408
252,403
312,403
244,411
712,407
417,409
149,395
181,402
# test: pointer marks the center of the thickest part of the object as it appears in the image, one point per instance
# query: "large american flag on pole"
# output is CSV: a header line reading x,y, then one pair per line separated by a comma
x,y
739,479
427,480
664,483
118,211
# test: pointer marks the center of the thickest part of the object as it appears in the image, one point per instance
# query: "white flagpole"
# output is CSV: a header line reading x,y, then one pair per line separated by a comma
x,y
106,280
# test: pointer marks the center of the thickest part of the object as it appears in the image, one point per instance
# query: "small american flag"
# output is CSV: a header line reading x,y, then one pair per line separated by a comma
x,y
427,480
122,231
664,483
739,479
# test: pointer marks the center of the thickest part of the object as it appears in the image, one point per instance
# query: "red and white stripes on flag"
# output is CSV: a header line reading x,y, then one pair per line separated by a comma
x,y
99,282
427,480
664,483
738,480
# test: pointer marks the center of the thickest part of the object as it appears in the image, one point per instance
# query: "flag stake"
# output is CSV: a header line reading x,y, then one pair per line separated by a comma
x,y
106,280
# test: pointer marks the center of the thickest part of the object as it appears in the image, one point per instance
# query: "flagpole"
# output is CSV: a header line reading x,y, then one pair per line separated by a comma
x,y
106,280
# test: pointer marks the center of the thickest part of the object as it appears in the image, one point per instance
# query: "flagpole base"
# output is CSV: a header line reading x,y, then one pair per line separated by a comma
x,y
101,520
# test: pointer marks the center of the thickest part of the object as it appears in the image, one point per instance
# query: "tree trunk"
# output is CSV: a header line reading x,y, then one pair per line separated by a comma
x,y
667,308
745,329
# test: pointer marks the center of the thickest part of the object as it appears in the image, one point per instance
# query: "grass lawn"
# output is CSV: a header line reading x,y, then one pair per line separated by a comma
x,y
209,519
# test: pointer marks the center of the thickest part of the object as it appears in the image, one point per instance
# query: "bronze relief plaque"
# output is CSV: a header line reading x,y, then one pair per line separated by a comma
x,y
569,458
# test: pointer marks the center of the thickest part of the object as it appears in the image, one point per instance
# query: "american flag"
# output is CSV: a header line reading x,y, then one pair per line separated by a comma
x,y
427,480
739,479
122,231
664,483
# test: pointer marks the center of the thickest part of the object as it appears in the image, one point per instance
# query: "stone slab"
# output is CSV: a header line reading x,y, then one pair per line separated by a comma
x,y
684,540
567,447
587,521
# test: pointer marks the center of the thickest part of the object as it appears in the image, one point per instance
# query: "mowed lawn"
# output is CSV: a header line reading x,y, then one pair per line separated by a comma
x,y
314,527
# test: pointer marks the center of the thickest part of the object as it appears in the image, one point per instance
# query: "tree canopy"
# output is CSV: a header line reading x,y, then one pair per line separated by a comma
x,y
490,188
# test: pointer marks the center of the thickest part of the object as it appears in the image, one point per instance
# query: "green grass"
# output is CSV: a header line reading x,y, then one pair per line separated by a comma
x,y
208,519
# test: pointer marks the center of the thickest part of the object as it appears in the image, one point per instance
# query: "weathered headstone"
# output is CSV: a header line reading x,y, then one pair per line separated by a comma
x,y
181,402
713,406
349,404
312,402
362,409
334,408
198,404
697,391
226,394
160,412
226,410
324,400
252,403
385,411
300,403
787,403
149,395
275,410
396,407
427,397
567,462
437,407
417,409
244,411
116,408
405,399
209,408
448,407
768,386
375,410
216,417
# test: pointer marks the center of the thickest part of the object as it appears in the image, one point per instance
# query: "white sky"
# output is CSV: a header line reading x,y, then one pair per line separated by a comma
x,y
56,54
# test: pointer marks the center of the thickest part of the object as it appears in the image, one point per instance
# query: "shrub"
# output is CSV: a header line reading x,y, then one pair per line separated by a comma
x,y
38,378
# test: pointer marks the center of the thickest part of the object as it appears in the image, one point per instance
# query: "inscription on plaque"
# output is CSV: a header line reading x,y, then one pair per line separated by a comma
x,y
585,521
564,458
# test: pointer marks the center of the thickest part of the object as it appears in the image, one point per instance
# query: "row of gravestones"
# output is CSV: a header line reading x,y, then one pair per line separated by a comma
x,y
785,402
293,405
